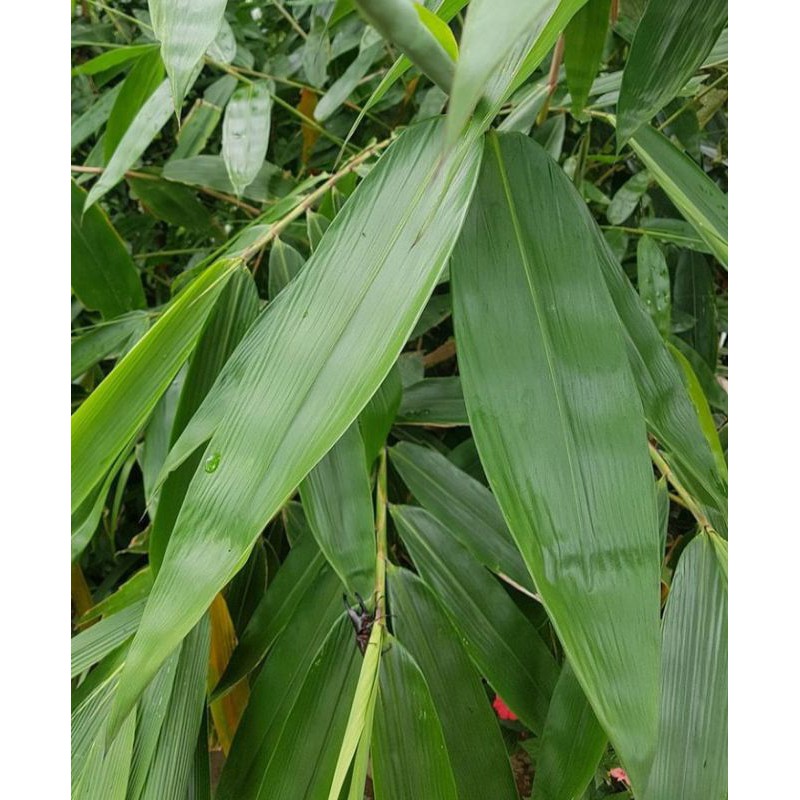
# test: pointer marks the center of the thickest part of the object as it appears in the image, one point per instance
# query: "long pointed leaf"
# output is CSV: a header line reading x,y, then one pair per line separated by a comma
x,y
334,333
409,754
692,757
672,40
111,416
560,430
186,29
468,723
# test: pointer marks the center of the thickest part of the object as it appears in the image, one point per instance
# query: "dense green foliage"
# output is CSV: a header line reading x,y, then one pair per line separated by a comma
x,y
424,305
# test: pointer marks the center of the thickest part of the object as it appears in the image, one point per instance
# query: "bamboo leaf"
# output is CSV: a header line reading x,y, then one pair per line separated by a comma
x,y
301,578
93,118
653,283
152,117
172,203
468,724
104,276
692,757
285,264
465,507
541,325
174,755
106,340
361,711
111,416
500,42
295,358
671,42
437,402
245,133
694,194
409,756
338,505
505,647
400,22
223,329
669,411
378,416
572,744
304,759
145,77
186,29
584,39
93,644
695,294
275,691
112,58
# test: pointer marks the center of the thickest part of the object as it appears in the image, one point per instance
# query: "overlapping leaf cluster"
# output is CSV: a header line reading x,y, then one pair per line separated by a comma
x,y
423,305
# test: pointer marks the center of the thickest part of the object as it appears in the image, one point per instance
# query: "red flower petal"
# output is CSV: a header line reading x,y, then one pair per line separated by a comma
x,y
619,774
503,711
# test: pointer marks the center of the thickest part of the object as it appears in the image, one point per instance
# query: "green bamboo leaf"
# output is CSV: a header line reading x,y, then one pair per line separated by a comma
x,y
304,759
317,52
572,744
378,416
541,325
233,313
361,268
653,283
314,623
196,130
151,713
172,203
627,197
504,645
174,755
400,22
112,415
285,264
468,723
707,423
499,43
692,757
105,340
186,29
409,756
338,92
134,589
303,578
717,396
584,39
93,118
694,194
445,11
113,58
246,591
437,402
93,644
210,172
87,516
361,712
145,77
223,48
669,411
695,294
338,504
672,40
199,785
245,132
465,507
104,276
316,225
152,117
107,771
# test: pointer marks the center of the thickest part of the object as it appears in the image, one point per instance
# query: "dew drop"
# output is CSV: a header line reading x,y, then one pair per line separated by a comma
x,y
212,462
